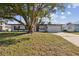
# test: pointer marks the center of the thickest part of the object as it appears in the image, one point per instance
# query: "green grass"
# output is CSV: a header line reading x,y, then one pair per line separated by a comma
x,y
35,44
76,33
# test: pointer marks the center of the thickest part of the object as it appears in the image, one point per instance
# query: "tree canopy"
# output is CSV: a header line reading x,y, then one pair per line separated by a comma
x,y
30,12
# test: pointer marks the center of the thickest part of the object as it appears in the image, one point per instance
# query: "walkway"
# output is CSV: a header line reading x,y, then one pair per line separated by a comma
x,y
73,38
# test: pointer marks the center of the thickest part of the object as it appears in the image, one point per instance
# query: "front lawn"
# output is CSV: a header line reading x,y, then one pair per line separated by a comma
x,y
76,33
35,44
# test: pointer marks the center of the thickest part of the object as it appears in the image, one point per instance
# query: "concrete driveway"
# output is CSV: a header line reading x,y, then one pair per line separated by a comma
x,y
73,38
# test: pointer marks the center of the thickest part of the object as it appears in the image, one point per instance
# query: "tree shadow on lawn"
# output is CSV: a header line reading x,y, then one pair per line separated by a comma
x,y
12,41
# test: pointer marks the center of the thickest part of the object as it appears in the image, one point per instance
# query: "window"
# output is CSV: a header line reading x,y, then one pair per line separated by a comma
x,y
16,27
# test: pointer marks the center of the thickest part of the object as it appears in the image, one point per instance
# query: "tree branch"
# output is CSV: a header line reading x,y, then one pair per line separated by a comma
x,y
14,19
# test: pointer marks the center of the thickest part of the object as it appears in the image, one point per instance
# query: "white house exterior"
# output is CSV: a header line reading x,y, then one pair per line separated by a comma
x,y
42,27
54,28
3,27
72,27
16,27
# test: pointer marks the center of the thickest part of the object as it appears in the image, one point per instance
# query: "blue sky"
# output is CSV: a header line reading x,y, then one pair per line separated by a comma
x,y
71,14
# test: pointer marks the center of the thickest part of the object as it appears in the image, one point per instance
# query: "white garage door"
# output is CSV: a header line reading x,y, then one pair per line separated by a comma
x,y
54,29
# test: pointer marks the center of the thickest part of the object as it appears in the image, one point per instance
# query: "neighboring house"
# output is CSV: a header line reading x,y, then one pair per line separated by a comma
x,y
72,27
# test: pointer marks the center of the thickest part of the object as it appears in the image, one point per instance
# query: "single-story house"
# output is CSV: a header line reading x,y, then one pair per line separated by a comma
x,y
42,27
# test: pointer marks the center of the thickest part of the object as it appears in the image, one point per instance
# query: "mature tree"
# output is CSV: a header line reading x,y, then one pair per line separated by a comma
x,y
30,12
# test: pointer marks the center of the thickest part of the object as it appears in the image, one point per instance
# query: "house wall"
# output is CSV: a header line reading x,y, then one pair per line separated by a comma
x,y
42,28
4,27
64,27
9,28
3,24
70,27
21,27
0,28
54,28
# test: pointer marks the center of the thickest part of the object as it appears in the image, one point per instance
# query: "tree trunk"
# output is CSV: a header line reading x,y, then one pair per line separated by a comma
x,y
30,30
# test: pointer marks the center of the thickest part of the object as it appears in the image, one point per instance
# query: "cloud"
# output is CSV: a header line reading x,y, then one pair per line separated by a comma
x,y
62,17
62,13
54,16
69,13
74,5
69,6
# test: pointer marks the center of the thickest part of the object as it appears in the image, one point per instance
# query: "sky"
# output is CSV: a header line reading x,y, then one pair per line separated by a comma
x,y
70,15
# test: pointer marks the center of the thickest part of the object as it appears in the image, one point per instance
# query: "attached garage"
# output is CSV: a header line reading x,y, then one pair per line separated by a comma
x,y
54,28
